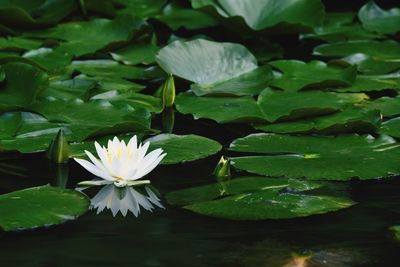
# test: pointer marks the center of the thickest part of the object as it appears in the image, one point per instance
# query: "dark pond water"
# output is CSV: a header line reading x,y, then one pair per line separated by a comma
x,y
357,236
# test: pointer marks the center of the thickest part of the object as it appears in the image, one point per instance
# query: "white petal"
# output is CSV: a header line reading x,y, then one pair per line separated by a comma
x,y
102,153
95,161
93,169
148,169
132,144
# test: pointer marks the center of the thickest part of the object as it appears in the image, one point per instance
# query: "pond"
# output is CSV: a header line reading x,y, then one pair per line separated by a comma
x,y
199,133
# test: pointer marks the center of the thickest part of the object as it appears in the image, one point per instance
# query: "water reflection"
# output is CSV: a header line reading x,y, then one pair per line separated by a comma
x,y
125,199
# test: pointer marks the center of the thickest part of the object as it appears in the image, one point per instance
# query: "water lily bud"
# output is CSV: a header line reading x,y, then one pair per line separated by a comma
x,y
58,151
223,169
168,91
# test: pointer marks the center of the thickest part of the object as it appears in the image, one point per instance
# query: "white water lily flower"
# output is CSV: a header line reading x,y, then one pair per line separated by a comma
x,y
124,199
121,164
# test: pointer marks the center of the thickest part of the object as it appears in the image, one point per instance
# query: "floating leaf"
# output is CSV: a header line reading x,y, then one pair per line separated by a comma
x,y
79,117
40,206
90,36
371,57
350,120
339,27
19,43
48,58
366,83
389,106
376,19
286,105
206,62
136,53
297,74
176,17
182,148
257,198
106,68
220,109
22,84
391,127
316,157
261,14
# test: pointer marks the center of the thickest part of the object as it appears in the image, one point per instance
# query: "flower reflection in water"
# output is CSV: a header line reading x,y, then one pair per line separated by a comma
x,y
125,199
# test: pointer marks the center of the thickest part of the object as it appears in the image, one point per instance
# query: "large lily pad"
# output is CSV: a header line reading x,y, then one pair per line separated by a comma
x,y
257,198
270,106
79,116
261,14
40,206
376,19
182,148
338,27
220,109
334,158
297,74
389,106
350,120
106,68
391,127
90,36
286,105
22,84
371,57
206,62
367,83
176,17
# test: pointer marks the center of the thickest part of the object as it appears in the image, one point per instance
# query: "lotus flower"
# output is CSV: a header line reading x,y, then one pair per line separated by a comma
x,y
124,200
120,163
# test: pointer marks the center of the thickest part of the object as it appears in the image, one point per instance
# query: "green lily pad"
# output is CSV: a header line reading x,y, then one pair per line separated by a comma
x,y
136,100
206,62
285,105
350,120
19,43
39,13
79,115
249,83
371,57
316,157
106,68
391,127
378,49
22,84
90,36
262,14
48,58
376,19
270,106
389,106
176,17
40,206
137,53
366,83
338,27
220,109
183,148
141,8
257,198
297,74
